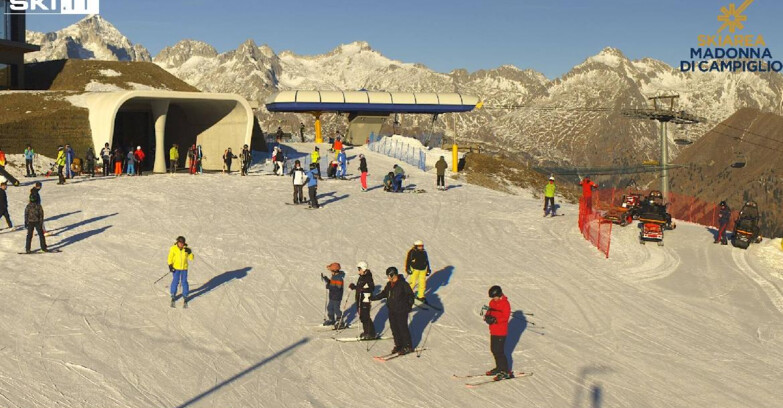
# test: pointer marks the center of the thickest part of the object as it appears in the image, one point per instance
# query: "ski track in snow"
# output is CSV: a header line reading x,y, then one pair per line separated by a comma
x,y
650,326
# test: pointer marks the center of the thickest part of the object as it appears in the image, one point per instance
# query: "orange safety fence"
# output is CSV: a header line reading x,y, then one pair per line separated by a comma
x,y
681,207
594,227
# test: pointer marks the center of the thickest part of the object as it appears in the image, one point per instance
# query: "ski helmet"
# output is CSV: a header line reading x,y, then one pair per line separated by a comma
x,y
181,239
552,178
362,265
391,271
418,242
495,291
722,203
313,166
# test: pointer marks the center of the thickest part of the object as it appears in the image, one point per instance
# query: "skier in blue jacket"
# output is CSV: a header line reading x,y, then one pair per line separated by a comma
x,y
312,185
343,163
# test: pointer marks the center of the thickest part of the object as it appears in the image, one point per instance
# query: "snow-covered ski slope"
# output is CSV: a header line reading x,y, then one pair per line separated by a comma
x,y
690,324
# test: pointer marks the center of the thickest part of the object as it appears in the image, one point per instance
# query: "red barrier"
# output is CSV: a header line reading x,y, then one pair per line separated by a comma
x,y
681,207
594,227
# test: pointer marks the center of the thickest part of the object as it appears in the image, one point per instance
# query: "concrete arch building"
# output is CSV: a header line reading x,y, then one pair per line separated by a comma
x,y
158,119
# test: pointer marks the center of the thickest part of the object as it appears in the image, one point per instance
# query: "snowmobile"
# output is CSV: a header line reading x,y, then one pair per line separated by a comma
x,y
627,211
746,229
654,203
652,225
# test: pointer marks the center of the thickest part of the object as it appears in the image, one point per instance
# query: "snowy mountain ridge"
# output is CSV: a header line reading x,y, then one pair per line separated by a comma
x,y
526,114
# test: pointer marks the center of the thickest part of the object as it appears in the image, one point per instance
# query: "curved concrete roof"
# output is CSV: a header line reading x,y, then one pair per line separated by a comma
x,y
366,101
228,117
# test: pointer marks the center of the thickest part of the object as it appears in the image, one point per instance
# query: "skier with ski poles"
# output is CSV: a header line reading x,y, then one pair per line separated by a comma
x,y
364,287
497,316
334,284
179,254
399,301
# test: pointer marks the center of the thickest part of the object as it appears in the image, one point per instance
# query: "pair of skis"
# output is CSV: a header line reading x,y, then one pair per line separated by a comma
x,y
391,356
484,380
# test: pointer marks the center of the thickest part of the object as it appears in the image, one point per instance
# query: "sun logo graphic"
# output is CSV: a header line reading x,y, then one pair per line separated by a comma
x,y
732,16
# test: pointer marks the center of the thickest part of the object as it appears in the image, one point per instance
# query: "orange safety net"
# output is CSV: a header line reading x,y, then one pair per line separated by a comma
x,y
594,227
682,207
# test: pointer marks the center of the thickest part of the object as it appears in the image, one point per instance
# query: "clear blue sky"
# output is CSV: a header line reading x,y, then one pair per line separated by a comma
x,y
550,36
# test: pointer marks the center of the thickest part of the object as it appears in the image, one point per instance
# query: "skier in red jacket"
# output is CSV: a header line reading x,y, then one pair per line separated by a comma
x,y
497,317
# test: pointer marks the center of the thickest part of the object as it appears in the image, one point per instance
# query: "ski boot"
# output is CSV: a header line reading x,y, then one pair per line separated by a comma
x,y
172,301
185,304
492,372
404,351
502,375
395,350
328,322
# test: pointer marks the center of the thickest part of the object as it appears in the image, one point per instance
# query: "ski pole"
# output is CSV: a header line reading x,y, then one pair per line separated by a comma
x,y
340,327
164,275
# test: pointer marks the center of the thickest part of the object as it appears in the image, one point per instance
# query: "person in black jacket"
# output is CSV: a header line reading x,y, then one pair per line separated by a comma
x,y
245,158
33,220
724,216
399,301
364,287
417,264
90,159
334,284
363,170
4,205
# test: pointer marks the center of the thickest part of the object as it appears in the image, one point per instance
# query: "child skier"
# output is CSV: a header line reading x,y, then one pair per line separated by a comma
x,y
334,284
364,287
497,317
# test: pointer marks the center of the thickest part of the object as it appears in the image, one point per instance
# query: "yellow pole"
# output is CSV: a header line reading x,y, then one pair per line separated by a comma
x,y
454,158
318,137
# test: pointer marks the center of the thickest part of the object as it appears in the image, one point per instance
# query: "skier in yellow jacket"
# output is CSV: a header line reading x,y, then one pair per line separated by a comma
x,y
179,254
549,197
60,161
417,264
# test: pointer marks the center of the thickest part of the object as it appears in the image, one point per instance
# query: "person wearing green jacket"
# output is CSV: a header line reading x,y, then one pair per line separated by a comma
x,y
173,158
549,197
60,161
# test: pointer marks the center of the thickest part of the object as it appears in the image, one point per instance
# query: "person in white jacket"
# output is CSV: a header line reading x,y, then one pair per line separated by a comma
x,y
299,177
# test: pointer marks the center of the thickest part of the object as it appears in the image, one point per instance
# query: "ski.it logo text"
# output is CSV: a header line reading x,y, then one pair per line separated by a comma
x,y
56,6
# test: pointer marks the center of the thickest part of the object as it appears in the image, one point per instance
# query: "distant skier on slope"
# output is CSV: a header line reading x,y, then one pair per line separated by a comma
x,y
417,264
315,158
245,158
549,197
298,177
440,168
342,162
334,284
363,171
4,204
33,220
399,175
179,255
364,287
399,301
724,216
497,317
312,185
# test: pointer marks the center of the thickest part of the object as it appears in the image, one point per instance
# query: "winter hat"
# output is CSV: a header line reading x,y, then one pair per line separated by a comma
x,y
181,239
334,267
362,265
138,147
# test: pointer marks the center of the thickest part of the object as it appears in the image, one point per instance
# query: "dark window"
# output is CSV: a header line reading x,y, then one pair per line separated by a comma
x,y
5,77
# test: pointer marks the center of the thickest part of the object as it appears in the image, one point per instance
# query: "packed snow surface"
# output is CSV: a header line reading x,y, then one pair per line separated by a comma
x,y
689,324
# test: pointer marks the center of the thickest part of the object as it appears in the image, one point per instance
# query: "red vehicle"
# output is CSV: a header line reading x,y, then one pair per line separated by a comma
x,y
651,226
627,211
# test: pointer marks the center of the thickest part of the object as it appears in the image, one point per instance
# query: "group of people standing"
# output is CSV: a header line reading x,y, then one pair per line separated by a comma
x,y
400,300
